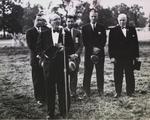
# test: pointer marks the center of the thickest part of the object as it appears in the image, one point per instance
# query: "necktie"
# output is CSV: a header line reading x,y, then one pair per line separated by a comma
x,y
93,25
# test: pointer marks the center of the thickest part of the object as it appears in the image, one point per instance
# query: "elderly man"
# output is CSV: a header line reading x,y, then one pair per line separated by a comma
x,y
32,36
94,39
123,51
51,51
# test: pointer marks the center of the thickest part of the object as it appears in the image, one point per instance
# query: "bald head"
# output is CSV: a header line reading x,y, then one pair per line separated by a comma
x,y
122,19
54,20
53,17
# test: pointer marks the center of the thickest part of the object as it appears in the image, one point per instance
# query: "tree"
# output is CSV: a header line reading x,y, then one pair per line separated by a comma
x,y
116,10
135,16
5,10
106,17
11,16
29,16
15,19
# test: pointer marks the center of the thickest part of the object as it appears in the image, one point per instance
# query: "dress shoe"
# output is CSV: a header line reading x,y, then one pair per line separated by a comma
x,y
63,116
73,96
85,96
130,95
39,103
101,93
48,117
79,98
76,98
117,95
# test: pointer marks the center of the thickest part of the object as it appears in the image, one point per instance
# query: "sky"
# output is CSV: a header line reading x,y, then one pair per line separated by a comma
x,y
105,3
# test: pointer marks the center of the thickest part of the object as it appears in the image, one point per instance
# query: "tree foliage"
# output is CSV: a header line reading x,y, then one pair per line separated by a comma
x,y
108,16
11,16
15,19
134,13
29,16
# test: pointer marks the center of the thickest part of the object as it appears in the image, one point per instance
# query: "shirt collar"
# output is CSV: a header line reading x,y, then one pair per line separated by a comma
x,y
55,31
92,24
124,27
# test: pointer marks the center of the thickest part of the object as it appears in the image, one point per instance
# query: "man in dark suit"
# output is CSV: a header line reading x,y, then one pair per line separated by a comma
x,y
94,40
75,36
51,51
32,36
123,51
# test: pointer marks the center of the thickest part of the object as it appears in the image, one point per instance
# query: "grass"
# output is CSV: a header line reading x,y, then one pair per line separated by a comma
x,y
17,99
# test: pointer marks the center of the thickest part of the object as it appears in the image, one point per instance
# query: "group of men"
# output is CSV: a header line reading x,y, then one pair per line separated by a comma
x,y
55,58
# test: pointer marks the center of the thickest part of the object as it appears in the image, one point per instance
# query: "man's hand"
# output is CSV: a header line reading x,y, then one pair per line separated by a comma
x,y
113,60
96,50
60,46
73,56
41,61
38,56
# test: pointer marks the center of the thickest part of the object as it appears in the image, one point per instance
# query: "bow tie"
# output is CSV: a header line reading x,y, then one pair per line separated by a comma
x,y
57,30
123,27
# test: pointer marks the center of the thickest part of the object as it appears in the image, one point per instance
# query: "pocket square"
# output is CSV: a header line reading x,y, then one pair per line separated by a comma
x,y
99,33
133,35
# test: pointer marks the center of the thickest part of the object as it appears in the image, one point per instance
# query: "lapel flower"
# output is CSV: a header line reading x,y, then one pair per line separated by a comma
x,y
99,33
133,35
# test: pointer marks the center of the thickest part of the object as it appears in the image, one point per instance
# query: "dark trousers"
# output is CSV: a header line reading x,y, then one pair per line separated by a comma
x,y
54,76
74,78
121,66
73,82
38,82
88,64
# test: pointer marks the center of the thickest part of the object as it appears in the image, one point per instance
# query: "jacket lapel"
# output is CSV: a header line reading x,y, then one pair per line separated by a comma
x,y
60,38
90,28
72,33
127,32
119,28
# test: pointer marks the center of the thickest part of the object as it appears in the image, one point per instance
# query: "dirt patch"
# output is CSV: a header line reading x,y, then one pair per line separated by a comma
x,y
17,99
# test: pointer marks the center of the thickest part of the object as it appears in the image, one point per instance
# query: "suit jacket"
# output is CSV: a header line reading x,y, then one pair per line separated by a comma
x,y
32,37
92,38
121,46
45,44
77,40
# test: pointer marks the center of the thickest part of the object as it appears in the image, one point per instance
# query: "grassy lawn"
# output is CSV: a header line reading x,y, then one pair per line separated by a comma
x,y
17,99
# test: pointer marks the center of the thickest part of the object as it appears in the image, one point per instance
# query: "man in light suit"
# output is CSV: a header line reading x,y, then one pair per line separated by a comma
x,y
123,51
75,36
94,40
32,37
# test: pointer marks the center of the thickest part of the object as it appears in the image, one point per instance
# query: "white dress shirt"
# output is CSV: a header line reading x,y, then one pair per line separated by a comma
x,y
124,31
55,37
93,26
